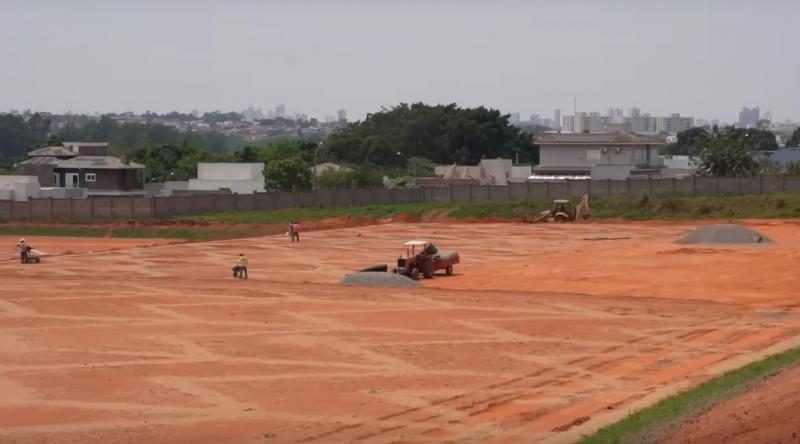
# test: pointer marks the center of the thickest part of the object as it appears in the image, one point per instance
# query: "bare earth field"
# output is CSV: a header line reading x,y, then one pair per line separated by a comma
x,y
68,245
544,333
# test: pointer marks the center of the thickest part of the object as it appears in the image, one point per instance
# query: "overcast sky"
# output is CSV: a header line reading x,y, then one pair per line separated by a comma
x,y
705,58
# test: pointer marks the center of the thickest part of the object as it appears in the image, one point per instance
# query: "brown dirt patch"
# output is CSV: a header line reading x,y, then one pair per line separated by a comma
x,y
767,413
538,330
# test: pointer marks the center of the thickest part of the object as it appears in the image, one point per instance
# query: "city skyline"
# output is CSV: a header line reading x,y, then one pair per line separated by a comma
x,y
364,55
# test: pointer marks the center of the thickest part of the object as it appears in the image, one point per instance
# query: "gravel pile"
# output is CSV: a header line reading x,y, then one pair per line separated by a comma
x,y
378,279
730,234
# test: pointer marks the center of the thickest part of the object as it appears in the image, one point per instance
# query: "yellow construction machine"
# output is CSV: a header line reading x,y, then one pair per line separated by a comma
x,y
563,211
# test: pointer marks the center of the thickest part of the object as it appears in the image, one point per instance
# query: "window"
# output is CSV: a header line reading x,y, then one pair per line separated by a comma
x,y
90,177
593,155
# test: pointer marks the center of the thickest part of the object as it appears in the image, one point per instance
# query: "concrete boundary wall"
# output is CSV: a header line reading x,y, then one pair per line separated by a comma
x,y
125,207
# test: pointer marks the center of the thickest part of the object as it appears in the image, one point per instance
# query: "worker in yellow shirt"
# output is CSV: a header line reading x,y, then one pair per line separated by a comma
x,y
242,266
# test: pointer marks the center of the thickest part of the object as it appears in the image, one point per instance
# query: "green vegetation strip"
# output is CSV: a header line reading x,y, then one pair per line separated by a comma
x,y
672,207
668,413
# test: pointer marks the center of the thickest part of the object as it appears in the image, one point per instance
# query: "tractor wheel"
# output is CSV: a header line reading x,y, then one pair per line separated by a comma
x,y
415,274
560,218
427,269
449,270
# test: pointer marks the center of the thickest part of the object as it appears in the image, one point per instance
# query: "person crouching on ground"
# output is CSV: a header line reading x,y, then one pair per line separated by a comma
x,y
242,266
295,232
23,249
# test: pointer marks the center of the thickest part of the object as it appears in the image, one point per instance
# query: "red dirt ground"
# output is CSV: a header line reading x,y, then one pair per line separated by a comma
x,y
768,413
58,245
544,333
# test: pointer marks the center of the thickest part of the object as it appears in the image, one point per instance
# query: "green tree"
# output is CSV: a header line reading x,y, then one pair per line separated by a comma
x,y
282,149
728,152
288,174
363,176
690,142
792,168
443,134
335,180
794,140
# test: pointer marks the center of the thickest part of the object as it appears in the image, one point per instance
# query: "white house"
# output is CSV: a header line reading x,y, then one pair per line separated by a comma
x,y
19,188
240,178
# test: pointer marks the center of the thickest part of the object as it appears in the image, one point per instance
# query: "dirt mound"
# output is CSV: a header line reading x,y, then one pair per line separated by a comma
x,y
724,234
378,279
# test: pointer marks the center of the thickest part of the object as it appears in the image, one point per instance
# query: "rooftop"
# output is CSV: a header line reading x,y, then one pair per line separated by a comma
x,y
52,151
613,138
99,163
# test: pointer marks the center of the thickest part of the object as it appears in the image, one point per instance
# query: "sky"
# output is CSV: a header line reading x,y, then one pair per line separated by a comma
x,y
703,58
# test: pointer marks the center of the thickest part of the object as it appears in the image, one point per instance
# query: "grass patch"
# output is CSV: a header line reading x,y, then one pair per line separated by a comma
x,y
196,234
645,424
45,230
315,213
666,207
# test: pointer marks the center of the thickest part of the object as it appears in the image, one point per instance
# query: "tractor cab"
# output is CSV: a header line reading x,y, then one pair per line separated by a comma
x,y
563,207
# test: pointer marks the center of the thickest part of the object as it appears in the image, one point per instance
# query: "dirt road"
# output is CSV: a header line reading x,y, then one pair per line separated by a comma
x,y
544,333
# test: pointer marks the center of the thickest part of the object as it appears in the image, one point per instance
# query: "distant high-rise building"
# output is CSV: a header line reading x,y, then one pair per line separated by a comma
x,y
330,119
341,115
557,119
280,111
615,115
749,117
513,118
568,124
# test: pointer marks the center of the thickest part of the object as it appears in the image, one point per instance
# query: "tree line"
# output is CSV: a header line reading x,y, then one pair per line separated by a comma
x,y
731,151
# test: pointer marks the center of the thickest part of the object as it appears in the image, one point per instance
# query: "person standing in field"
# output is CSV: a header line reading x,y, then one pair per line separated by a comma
x,y
22,247
295,232
242,266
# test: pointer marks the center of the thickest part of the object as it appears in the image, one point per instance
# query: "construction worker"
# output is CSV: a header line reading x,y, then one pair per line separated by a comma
x,y
242,266
22,247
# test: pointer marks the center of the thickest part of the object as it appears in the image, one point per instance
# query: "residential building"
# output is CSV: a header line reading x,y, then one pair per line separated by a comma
x,y
280,111
749,117
19,188
674,124
240,178
785,155
568,124
487,172
557,119
615,155
84,165
341,115
615,115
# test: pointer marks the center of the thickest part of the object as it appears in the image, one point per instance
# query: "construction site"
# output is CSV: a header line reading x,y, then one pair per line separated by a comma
x,y
540,333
